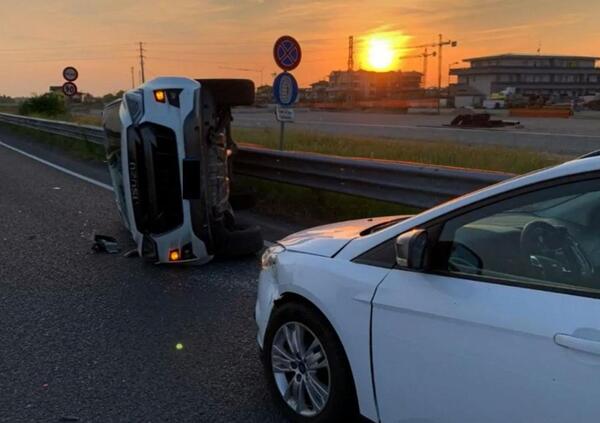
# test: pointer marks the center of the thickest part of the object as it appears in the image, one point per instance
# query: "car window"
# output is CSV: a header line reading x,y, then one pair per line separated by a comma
x,y
531,238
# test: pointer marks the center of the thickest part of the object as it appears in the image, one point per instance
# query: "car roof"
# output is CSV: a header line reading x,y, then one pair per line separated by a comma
x,y
572,167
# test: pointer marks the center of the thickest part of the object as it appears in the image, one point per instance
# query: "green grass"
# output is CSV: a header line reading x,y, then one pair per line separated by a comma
x,y
311,206
439,153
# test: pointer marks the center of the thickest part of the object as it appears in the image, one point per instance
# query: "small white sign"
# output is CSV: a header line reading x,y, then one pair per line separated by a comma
x,y
284,114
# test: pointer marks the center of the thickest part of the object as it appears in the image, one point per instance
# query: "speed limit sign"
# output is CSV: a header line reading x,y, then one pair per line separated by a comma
x,y
70,73
69,89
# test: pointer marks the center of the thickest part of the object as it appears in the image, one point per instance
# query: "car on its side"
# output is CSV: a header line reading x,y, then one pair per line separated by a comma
x,y
483,309
169,151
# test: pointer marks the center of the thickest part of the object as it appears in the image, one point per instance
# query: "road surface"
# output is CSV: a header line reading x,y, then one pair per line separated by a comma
x,y
93,336
569,136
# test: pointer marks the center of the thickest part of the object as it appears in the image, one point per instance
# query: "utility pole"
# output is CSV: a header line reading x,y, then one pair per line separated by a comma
x,y
425,55
440,45
142,62
132,79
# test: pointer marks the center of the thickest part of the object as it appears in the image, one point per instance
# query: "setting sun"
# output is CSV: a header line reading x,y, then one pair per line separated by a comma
x,y
380,54
380,51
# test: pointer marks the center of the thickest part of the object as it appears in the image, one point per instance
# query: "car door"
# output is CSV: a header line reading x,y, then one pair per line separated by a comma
x,y
484,335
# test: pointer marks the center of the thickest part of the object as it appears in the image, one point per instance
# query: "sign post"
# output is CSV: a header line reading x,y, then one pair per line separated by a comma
x,y
287,54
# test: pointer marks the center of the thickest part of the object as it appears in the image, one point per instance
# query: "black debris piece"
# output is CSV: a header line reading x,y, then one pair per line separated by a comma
x,y
105,244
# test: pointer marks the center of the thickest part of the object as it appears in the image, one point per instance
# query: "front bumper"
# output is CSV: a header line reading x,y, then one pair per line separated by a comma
x,y
268,293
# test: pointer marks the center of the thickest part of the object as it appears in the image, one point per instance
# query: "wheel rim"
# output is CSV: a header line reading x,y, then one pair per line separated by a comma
x,y
301,369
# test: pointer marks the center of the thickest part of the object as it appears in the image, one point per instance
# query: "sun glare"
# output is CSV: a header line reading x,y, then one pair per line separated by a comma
x,y
380,51
380,54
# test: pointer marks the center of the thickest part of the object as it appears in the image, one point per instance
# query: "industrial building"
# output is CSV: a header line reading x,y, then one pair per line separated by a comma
x,y
560,77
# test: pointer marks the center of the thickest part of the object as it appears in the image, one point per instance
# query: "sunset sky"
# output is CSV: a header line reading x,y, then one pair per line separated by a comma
x,y
202,38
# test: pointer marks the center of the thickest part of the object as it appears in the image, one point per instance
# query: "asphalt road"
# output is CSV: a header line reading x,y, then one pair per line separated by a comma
x,y
93,336
564,136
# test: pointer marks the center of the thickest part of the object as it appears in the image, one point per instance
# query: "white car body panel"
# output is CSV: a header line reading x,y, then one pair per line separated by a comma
x,y
327,240
454,350
343,292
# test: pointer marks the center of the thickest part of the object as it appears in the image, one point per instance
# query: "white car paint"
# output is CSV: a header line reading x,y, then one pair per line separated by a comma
x,y
444,348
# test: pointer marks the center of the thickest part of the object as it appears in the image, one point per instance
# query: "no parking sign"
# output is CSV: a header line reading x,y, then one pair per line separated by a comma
x,y
287,53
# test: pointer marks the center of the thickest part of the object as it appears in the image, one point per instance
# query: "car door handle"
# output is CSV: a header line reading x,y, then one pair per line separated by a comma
x,y
575,343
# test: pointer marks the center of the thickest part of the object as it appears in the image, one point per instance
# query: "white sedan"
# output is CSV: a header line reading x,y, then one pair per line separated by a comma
x,y
484,309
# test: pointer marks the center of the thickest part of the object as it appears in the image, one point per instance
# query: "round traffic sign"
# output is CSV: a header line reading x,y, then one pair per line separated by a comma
x,y
70,73
69,89
285,89
287,53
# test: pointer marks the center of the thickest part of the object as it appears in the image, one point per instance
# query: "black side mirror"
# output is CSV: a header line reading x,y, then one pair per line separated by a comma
x,y
410,249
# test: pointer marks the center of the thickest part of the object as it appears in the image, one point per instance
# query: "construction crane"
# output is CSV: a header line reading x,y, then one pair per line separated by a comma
x,y
424,56
441,43
259,71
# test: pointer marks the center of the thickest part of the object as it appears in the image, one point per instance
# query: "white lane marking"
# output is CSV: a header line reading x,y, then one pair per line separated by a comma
x,y
57,167
75,174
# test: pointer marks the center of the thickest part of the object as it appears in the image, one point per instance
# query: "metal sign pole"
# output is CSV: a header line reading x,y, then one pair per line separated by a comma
x,y
281,130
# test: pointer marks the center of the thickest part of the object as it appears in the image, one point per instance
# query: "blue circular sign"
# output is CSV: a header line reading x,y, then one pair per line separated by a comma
x,y
287,53
285,89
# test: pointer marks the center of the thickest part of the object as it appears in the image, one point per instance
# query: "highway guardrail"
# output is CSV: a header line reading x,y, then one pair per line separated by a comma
x,y
411,184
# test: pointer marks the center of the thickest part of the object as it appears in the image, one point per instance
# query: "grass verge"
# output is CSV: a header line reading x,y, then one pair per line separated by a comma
x,y
439,153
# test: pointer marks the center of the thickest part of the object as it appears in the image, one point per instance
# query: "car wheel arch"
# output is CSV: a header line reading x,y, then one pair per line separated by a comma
x,y
292,297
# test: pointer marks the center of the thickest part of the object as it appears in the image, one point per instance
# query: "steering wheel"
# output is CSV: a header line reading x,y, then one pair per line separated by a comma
x,y
551,253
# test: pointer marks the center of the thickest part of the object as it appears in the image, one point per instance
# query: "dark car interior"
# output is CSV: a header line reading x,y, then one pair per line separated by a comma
x,y
556,241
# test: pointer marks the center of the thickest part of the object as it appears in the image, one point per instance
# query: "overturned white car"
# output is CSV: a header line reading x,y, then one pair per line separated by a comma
x,y
169,150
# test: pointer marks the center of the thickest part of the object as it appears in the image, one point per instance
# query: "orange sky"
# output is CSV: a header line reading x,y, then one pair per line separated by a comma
x,y
201,38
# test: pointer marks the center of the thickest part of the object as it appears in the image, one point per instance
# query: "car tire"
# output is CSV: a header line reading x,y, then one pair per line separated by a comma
x,y
341,404
238,240
230,92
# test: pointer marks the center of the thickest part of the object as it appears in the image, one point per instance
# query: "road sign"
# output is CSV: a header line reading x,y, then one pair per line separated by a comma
x,y
70,73
287,53
284,114
69,89
285,89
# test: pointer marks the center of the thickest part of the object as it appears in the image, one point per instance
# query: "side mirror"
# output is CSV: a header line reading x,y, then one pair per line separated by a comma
x,y
410,249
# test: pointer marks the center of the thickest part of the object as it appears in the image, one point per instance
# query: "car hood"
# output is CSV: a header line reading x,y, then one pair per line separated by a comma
x,y
327,240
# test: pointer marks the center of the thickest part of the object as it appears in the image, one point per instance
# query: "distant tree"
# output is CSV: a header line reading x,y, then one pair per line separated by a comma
x,y
6,99
49,104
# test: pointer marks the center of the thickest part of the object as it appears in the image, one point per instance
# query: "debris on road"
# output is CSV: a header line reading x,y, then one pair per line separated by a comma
x,y
105,244
481,120
131,253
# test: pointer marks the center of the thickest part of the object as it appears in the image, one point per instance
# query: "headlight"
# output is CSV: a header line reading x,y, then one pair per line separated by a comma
x,y
269,257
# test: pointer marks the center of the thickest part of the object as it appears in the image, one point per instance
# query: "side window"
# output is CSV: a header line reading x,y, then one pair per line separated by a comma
x,y
549,237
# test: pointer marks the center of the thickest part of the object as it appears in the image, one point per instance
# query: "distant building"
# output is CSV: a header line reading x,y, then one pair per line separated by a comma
x,y
369,85
317,92
264,94
540,75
